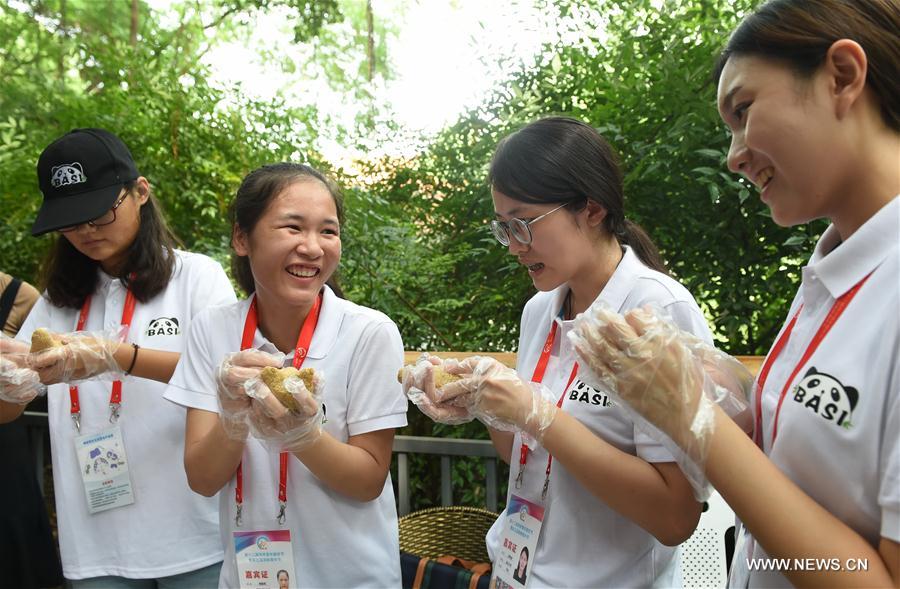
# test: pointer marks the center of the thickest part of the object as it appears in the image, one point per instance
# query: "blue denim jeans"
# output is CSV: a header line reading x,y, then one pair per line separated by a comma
x,y
207,577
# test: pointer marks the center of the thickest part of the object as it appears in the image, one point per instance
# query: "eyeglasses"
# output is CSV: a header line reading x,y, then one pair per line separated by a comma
x,y
520,229
105,219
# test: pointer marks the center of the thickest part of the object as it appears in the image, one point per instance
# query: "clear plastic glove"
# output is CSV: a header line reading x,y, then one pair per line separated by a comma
x,y
19,384
234,403
280,428
80,355
667,380
420,387
498,397
734,383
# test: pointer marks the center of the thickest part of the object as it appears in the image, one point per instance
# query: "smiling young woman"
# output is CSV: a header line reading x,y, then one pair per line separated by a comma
x,y
330,485
810,90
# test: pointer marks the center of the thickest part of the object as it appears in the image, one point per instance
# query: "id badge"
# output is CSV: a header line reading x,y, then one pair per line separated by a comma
x,y
104,469
265,559
521,529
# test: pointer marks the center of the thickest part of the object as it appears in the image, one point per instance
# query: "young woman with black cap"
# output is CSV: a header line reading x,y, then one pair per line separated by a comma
x,y
118,299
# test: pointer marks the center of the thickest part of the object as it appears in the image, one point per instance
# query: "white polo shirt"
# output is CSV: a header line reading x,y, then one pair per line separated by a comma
x,y
168,529
584,542
337,541
839,428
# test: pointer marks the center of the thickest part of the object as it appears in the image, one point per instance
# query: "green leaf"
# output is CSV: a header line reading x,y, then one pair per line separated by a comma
x,y
795,240
556,63
710,153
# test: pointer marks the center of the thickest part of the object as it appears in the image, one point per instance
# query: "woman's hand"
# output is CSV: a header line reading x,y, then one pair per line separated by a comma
x,y
284,429
81,355
232,375
498,397
419,387
663,375
19,384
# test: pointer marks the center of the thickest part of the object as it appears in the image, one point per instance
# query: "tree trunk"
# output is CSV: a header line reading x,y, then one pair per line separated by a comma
x,y
61,57
370,49
134,22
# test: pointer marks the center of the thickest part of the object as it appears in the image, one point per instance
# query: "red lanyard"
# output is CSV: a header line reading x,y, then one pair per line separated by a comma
x,y
538,377
836,310
306,334
115,397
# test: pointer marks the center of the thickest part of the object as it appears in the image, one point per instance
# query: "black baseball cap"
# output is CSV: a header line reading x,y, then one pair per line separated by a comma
x,y
80,175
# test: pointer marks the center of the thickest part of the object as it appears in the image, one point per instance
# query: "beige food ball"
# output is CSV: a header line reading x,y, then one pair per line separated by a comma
x,y
441,376
42,340
274,379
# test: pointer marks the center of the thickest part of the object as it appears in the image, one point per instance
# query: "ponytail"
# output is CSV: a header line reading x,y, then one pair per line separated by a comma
x,y
637,239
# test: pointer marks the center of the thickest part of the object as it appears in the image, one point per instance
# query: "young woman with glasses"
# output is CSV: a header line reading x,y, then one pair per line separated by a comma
x,y
118,299
616,504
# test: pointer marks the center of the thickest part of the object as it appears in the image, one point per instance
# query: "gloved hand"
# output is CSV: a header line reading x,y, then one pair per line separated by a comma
x,y
666,379
734,383
498,397
420,388
234,403
280,428
81,355
19,384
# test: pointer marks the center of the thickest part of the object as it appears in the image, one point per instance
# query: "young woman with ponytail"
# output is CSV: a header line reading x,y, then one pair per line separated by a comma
x,y
615,504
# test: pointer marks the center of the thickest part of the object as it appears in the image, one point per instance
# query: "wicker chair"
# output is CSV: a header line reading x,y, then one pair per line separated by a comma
x,y
438,531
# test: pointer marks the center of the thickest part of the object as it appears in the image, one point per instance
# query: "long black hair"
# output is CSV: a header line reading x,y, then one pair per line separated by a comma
x,y
257,190
558,160
69,276
799,33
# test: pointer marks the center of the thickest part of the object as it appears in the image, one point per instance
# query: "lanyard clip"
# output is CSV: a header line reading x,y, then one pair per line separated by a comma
x,y
237,516
520,477
76,419
114,412
282,506
546,485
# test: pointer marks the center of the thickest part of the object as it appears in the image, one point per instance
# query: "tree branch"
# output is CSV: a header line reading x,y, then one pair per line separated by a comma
x,y
218,20
411,307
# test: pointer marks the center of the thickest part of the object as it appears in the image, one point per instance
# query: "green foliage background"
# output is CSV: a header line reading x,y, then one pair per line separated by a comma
x,y
415,241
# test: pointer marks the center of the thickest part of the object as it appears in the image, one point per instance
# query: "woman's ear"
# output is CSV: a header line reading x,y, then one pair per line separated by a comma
x,y
240,241
846,66
596,213
141,190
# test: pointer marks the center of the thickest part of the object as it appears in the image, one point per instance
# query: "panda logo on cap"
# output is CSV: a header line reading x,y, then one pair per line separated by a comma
x,y
66,174
824,395
163,326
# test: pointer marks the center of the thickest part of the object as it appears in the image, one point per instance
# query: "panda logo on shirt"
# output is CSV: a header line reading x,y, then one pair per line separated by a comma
x,y
825,396
584,393
163,326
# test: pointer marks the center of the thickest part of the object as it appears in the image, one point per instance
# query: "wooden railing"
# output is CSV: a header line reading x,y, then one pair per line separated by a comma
x,y
509,358
446,448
